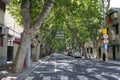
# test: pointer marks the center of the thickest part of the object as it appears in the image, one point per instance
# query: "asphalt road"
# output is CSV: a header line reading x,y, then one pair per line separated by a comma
x,y
61,67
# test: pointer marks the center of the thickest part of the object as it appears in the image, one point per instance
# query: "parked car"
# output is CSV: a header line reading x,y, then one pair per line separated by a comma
x,y
65,53
72,54
69,53
77,55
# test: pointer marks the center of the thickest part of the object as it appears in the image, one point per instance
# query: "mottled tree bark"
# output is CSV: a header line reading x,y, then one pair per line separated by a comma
x,y
29,31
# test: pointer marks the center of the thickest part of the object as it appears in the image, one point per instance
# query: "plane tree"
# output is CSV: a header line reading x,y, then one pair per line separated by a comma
x,y
77,18
31,14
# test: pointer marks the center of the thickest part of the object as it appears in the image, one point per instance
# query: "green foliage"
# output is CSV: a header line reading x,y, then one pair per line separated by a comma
x,y
77,18
14,10
35,8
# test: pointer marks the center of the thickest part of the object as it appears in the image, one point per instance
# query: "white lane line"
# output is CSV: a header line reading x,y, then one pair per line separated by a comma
x,y
63,78
29,78
82,77
117,77
100,77
46,78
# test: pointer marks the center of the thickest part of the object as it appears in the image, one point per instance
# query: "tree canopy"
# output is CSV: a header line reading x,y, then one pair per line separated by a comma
x,y
79,19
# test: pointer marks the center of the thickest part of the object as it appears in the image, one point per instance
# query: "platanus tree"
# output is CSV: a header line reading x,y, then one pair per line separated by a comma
x,y
30,22
67,14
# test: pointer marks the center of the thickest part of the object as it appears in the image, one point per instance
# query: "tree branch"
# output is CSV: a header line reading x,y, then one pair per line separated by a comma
x,y
46,9
25,13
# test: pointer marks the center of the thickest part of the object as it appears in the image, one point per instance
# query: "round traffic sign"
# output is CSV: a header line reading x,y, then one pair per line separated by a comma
x,y
105,36
106,41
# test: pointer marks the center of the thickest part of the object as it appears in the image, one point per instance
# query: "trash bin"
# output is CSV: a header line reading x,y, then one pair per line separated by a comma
x,y
104,57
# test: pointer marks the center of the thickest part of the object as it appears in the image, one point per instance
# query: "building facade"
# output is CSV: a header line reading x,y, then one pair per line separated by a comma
x,y
3,35
113,24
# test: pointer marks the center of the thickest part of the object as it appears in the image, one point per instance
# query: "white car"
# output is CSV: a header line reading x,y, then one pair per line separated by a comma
x,y
77,55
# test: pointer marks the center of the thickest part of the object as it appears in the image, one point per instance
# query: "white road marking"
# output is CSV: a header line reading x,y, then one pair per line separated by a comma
x,y
91,69
63,78
46,78
37,72
29,78
117,77
100,77
9,78
82,78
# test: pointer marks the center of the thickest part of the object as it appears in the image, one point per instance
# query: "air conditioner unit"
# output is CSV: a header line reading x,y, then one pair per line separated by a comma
x,y
114,15
3,30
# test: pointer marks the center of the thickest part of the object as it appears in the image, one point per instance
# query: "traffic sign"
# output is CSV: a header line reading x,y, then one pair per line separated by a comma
x,y
105,46
106,41
104,31
105,36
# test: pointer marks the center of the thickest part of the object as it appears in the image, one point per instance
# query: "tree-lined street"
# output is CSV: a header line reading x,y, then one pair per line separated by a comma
x,y
61,67
43,19
63,30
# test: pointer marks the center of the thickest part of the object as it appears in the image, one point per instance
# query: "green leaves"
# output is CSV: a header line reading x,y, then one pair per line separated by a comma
x,y
77,18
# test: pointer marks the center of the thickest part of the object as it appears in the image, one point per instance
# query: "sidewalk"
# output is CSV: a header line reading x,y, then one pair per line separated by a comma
x,y
116,62
6,73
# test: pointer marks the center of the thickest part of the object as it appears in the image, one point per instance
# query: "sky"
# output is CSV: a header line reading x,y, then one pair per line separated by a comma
x,y
115,3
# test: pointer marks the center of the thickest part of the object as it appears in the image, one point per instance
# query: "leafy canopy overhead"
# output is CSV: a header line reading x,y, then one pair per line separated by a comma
x,y
77,18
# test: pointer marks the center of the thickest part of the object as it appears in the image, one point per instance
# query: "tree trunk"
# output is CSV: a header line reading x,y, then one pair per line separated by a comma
x,y
29,32
21,53
37,52
84,53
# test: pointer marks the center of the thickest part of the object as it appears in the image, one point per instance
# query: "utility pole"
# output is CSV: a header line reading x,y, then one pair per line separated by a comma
x,y
106,4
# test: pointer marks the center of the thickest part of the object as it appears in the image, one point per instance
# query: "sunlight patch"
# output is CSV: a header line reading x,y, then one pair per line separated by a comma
x,y
9,78
100,77
4,72
82,77
91,69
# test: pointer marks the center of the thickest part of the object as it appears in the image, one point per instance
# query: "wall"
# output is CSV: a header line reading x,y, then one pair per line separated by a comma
x,y
3,52
1,16
114,39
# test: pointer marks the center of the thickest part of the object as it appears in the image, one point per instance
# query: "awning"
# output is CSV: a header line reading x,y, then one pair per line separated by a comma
x,y
17,41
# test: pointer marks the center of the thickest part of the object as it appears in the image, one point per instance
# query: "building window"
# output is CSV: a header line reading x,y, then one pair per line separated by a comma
x,y
107,30
91,50
1,41
118,48
87,50
116,28
0,30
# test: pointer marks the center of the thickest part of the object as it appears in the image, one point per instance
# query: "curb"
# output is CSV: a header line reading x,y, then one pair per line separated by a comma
x,y
25,73
118,64
110,62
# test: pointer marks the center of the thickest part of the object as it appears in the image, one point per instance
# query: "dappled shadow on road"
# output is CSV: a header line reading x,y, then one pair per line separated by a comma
x,y
74,69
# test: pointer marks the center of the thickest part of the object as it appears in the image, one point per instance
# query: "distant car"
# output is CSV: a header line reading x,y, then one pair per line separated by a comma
x,y
65,53
69,53
77,55
72,54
